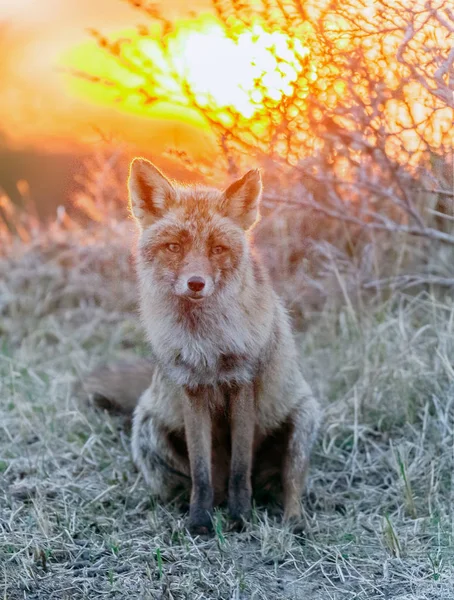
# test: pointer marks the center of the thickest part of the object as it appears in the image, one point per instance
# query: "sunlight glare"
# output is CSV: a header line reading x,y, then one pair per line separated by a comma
x,y
200,64
241,73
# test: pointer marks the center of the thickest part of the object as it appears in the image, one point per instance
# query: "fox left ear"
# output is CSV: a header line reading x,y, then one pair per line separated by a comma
x,y
241,199
150,192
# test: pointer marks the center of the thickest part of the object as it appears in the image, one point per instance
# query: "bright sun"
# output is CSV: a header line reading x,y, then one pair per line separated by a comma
x,y
238,73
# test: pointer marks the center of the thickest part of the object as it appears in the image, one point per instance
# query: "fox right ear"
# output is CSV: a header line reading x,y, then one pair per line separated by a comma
x,y
241,199
150,192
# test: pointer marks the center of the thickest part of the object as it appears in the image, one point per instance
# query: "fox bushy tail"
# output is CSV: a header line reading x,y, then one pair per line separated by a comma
x,y
119,386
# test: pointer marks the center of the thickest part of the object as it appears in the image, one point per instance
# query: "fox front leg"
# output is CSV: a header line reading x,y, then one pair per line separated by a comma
x,y
197,422
242,424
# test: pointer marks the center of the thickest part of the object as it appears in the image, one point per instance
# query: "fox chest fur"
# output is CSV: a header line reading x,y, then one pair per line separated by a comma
x,y
206,347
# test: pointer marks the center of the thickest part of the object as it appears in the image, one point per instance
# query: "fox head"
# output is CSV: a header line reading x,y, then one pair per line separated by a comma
x,y
193,239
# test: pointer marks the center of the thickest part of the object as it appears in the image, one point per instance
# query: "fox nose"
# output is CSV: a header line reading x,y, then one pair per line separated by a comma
x,y
196,284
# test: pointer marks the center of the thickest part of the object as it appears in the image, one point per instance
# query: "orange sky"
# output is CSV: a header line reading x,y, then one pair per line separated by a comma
x,y
36,106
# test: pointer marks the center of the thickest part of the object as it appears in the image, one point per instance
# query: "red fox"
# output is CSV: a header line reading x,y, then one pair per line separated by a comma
x,y
222,407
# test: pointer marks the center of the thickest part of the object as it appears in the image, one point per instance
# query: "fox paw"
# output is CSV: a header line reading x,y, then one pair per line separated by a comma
x,y
240,510
200,522
298,527
296,523
197,529
237,525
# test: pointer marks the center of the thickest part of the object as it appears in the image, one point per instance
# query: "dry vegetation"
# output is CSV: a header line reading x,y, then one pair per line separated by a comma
x,y
369,284
76,520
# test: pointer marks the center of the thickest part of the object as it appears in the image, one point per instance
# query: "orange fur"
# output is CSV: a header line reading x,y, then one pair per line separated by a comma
x,y
226,378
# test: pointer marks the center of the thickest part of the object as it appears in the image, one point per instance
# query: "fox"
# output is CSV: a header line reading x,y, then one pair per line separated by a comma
x,y
220,408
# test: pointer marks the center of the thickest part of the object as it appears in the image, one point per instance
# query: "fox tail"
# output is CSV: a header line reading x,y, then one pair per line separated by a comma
x,y
118,387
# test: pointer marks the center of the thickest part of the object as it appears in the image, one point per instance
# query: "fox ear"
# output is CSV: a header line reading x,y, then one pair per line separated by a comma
x,y
241,199
150,192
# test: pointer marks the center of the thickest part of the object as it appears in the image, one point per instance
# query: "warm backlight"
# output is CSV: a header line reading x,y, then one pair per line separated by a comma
x,y
261,80
239,73
235,73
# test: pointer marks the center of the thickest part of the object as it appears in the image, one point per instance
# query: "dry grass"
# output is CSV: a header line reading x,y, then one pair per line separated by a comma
x,y
76,520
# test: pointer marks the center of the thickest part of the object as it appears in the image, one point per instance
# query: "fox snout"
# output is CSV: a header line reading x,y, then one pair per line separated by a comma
x,y
196,284
195,279
194,287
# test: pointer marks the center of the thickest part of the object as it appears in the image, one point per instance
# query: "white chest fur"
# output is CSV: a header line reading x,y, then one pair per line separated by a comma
x,y
205,347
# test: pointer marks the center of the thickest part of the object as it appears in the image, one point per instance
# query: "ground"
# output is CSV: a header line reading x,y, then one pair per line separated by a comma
x,y
76,519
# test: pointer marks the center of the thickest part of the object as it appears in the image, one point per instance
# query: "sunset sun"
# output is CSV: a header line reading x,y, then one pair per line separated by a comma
x,y
239,73
224,72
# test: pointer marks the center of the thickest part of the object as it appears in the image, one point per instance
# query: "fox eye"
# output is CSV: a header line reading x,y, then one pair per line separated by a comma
x,y
173,247
218,249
